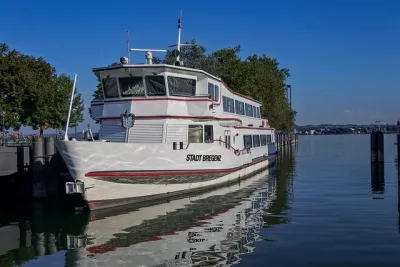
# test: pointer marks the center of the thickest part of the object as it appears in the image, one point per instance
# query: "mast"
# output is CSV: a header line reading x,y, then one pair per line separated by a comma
x,y
128,46
178,44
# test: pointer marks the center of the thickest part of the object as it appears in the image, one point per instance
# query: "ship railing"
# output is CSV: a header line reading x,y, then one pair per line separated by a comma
x,y
237,152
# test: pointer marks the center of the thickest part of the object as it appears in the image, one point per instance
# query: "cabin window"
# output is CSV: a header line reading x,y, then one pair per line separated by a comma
x,y
110,87
131,86
208,133
247,141
239,107
256,140
178,86
228,104
249,110
195,133
225,103
155,85
263,140
258,112
269,139
255,112
213,92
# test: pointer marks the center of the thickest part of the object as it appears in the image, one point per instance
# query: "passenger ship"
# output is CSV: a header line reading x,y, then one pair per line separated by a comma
x,y
166,130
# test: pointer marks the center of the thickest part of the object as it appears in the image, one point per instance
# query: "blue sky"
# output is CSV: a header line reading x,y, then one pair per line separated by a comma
x,y
343,55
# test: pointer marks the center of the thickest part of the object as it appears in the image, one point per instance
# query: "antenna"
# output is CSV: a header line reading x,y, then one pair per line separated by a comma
x,y
128,41
175,52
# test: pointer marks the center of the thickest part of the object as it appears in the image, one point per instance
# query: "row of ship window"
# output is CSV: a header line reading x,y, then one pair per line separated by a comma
x,y
198,134
152,85
256,140
240,108
177,86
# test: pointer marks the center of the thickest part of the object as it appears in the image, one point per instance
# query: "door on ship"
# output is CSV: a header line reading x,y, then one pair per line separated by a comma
x,y
227,134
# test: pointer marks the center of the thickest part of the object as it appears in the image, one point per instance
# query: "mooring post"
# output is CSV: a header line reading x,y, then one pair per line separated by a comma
x,y
51,181
377,147
398,148
38,177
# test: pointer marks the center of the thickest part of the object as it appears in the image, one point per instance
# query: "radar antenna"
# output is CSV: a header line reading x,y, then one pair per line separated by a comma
x,y
175,53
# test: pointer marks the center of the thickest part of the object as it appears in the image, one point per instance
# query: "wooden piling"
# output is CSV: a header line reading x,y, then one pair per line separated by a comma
x,y
50,168
38,162
377,147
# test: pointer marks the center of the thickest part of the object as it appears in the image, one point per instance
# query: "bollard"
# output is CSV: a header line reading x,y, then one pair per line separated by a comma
x,y
398,147
51,244
39,186
51,181
377,146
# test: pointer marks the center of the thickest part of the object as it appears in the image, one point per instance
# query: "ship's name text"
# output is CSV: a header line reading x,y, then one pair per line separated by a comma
x,y
192,157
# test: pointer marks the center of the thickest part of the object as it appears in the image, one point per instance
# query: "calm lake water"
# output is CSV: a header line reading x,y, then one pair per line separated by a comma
x,y
322,205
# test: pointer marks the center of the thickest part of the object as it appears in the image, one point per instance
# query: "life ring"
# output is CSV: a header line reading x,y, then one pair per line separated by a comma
x,y
237,152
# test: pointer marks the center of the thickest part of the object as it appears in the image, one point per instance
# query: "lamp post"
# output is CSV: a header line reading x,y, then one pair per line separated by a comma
x,y
379,125
3,114
289,94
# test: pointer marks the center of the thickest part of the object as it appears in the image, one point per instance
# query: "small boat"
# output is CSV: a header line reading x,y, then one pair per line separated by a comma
x,y
166,130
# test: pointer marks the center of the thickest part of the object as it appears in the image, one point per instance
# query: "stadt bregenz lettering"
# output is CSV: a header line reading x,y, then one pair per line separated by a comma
x,y
192,157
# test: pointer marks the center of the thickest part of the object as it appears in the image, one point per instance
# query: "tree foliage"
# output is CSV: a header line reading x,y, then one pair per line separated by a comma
x,y
32,94
97,94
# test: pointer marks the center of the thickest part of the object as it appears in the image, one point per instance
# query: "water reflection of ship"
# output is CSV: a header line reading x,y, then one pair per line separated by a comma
x,y
215,228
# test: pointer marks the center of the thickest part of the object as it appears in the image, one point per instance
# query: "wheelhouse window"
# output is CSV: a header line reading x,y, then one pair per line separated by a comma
x,y
178,86
155,85
195,133
228,104
247,141
258,112
256,140
263,140
255,112
110,87
131,86
213,92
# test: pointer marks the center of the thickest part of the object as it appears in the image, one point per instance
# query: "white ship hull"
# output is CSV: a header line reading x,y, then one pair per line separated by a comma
x,y
117,174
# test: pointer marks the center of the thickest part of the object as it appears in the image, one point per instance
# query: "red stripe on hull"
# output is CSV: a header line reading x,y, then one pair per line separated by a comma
x,y
156,173
177,117
166,173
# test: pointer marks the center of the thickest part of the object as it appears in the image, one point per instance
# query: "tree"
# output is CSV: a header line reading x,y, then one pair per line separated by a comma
x,y
97,94
31,92
63,91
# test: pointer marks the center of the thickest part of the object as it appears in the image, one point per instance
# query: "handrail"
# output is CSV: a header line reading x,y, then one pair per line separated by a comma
x,y
230,147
